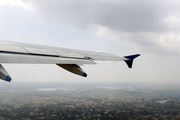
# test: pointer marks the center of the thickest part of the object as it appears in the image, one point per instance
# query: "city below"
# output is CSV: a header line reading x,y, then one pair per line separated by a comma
x,y
89,101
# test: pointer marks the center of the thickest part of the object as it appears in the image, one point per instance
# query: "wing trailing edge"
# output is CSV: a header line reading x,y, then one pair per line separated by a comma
x,y
129,59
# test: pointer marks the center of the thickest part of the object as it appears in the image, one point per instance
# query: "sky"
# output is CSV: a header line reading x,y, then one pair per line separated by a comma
x,y
121,27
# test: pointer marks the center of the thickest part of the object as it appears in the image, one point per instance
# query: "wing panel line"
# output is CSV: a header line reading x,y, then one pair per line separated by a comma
x,y
42,55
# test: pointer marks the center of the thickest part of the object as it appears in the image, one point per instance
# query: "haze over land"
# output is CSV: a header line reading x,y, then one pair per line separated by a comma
x,y
120,27
100,101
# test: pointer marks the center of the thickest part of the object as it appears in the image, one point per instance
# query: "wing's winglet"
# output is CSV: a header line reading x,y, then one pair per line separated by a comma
x,y
129,59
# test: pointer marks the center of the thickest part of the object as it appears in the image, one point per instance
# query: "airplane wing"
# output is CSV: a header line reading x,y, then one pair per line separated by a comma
x,y
68,59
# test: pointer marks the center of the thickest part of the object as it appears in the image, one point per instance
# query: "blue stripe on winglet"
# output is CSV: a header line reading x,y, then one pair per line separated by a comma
x,y
8,78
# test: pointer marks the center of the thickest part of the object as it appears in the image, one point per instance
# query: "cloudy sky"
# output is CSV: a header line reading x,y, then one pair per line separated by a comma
x,y
121,27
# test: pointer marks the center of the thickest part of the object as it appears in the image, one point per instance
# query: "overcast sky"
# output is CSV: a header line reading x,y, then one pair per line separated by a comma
x,y
121,27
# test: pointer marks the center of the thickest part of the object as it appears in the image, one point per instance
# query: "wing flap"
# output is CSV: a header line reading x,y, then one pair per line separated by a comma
x,y
9,48
40,51
99,56
68,53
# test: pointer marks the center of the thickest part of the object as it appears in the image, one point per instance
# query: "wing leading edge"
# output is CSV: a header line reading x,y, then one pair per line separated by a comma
x,y
68,59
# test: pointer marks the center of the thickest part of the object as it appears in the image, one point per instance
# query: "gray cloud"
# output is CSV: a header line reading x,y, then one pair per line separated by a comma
x,y
122,15
163,44
153,25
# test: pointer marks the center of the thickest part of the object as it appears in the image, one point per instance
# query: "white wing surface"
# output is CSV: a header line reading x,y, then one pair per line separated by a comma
x,y
69,59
